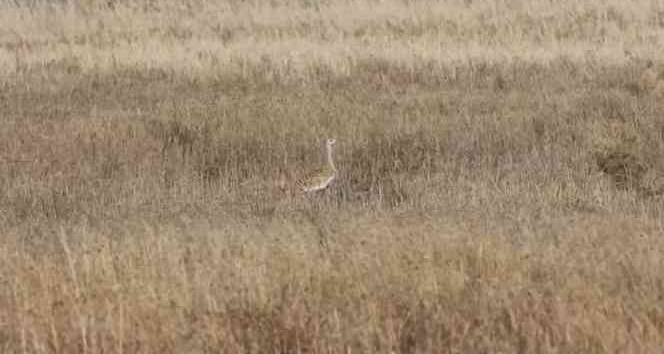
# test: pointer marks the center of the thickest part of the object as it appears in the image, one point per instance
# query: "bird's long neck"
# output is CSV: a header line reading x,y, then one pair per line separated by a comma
x,y
330,160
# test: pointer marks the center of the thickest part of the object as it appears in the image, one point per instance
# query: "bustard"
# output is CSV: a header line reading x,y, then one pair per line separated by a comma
x,y
319,179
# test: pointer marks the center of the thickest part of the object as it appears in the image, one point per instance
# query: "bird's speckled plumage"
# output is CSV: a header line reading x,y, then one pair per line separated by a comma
x,y
321,178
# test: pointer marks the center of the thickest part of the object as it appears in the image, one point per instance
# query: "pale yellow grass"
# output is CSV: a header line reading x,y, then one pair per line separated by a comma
x,y
209,37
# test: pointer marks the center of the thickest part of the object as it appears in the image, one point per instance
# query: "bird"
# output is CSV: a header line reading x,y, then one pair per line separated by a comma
x,y
650,78
319,179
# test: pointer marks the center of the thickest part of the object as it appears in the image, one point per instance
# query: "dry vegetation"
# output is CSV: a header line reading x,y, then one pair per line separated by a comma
x,y
501,176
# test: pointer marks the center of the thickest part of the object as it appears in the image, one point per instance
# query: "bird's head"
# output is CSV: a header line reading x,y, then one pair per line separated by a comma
x,y
331,141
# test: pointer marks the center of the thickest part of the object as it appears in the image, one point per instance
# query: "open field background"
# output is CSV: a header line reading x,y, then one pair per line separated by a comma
x,y
501,176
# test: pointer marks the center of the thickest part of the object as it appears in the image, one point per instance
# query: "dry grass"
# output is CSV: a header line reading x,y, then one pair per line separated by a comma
x,y
500,189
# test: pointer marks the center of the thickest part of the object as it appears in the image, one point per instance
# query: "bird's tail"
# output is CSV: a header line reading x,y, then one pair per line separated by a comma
x,y
282,183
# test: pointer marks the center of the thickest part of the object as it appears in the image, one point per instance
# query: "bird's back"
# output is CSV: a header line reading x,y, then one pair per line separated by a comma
x,y
315,180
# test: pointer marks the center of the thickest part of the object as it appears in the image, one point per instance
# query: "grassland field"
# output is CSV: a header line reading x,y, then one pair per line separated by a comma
x,y
500,185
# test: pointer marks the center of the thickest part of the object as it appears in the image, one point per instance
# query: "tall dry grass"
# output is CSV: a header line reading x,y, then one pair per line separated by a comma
x,y
500,185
